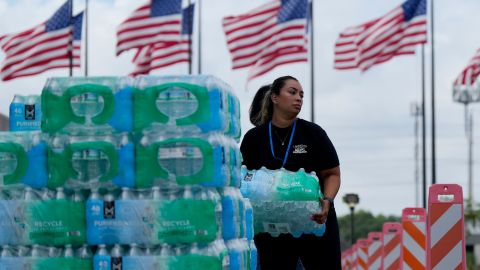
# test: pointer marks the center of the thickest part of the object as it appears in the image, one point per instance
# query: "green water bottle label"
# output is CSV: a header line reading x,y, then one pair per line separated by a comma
x,y
192,261
186,221
56,222
62,264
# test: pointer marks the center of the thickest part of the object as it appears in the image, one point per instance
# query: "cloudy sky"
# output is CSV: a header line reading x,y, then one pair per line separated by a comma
x,y
367,115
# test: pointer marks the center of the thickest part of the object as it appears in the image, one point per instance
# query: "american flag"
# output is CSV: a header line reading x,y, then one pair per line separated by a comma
x,y
465,87
44,47
157,21
271,35
77,22
167,53
379,40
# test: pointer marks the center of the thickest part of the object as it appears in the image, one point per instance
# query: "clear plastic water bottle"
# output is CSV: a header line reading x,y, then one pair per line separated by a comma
x,y
46,194
54,252
166,251
134,250
6,251
24,251
248,219
68,251
253,255
60,194
30,194
84,252
116,255
102,259
126,194
157,195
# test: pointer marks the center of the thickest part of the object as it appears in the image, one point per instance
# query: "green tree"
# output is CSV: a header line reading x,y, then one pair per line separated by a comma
x,y
364,222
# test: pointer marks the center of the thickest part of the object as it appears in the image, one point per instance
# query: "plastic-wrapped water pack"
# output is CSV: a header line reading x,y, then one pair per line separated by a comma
x,y
209,160
43,217
91,161
212,256
172,216
23,159
283,201
188,104
75,105
39,257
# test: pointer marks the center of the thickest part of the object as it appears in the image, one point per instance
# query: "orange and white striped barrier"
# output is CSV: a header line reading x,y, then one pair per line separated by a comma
x,y
375,250
345,262
352,259
414,239
392,241
347,259
446,229
362,254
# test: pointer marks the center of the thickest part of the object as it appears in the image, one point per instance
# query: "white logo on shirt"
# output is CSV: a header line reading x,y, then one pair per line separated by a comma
x,y
299,149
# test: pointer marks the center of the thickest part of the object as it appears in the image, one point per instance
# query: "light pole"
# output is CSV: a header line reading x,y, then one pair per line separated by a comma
x,y
416,112
351,199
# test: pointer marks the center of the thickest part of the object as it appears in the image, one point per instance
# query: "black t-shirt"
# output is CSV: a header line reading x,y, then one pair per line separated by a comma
x,y
311,148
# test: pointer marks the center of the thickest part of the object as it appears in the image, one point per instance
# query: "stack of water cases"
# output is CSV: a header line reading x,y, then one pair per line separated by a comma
x,y
40,227
142,173
188,161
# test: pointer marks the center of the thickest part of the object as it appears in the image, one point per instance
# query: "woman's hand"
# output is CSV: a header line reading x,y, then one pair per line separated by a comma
x,y
321,217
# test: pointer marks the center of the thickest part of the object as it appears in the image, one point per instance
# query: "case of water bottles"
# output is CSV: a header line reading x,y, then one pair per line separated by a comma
x,y
25,113
183,215
210,160
283,201
75,104
23,159
42,217
94,161
45,257
189,104
211,256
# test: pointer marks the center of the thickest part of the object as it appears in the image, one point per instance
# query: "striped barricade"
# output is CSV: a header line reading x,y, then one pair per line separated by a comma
x,y
362,254
414,239
352,259
446,229
345,262
375,250
392,241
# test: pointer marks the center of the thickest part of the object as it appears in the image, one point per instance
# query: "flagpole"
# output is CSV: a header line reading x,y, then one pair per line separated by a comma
x,y
70,46
86,38
424,137
199,53
434,180
189,39
312,65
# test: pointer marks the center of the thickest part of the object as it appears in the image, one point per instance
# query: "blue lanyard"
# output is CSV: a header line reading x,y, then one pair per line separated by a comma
x,y
289,143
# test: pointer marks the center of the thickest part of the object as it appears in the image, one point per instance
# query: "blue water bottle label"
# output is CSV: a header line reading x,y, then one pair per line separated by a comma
x,y
119,222
102,262
25,117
